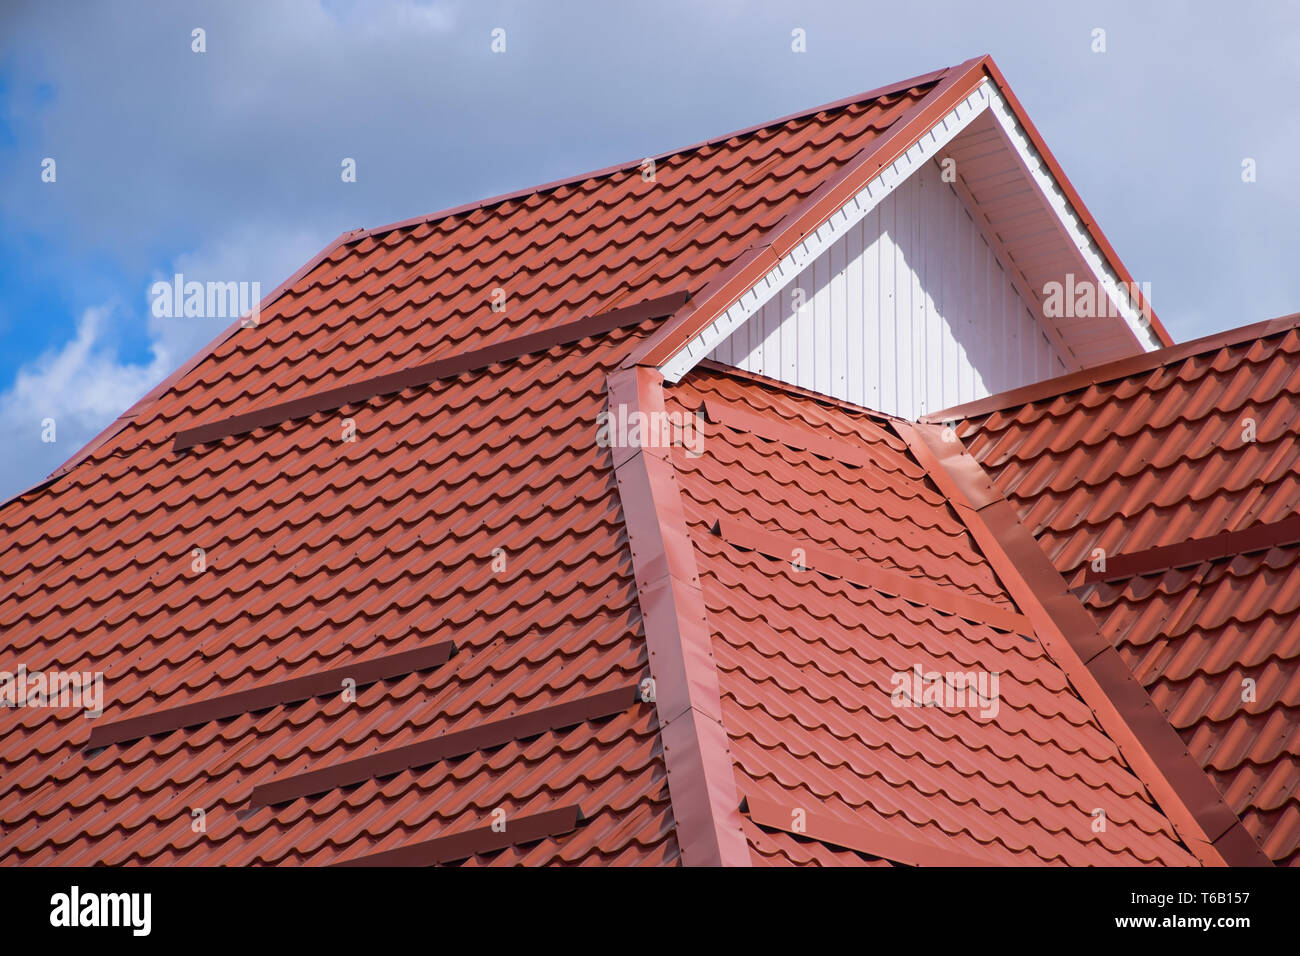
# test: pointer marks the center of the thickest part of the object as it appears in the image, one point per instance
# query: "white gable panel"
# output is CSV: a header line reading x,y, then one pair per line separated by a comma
x,y
908,312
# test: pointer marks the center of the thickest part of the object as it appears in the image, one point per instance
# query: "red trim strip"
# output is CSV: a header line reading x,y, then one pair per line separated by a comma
x,y
743,274
429,372
697,753
458,744
1068,632
839,565
823,826
1073,198
272,695
461,846
1259,537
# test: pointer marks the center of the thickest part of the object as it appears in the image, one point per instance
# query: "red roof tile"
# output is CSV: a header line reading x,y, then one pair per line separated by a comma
x,y
1150,454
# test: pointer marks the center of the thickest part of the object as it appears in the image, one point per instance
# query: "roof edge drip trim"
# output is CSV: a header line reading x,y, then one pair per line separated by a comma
x,y
1258,537
845,568
821,825
289,691
1154,751
963,93
485,839
688,700
456,744
428,372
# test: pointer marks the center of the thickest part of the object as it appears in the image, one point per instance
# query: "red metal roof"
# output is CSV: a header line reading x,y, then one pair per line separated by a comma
x,y
1153,453
324,555
523,688
806,657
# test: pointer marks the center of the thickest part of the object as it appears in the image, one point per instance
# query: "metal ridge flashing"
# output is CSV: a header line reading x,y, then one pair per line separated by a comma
x,y
1148,742
688,701
763,256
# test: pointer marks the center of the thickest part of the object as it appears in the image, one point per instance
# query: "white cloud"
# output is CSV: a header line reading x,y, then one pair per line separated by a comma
x,y
82,386
85,384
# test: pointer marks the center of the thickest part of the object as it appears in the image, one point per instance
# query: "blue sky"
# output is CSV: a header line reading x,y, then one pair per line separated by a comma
x,y
225,164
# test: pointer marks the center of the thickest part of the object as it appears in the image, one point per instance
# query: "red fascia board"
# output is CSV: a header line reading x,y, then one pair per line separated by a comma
x,y
428,372
485,839
1069,634
1259,537
821,825
1072,196
845,568
697,752
458,744
289,691
747,270
1051,388
175,377
889,90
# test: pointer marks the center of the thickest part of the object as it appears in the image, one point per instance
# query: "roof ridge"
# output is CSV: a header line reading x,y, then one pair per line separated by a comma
x,y
684,683
1116,370
890,89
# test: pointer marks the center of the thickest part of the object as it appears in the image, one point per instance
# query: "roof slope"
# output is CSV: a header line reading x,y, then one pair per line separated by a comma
x,y
320,555
807,654
1182,449
325,556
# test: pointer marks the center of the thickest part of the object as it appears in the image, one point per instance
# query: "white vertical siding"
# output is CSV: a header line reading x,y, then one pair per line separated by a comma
x,y
909,312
